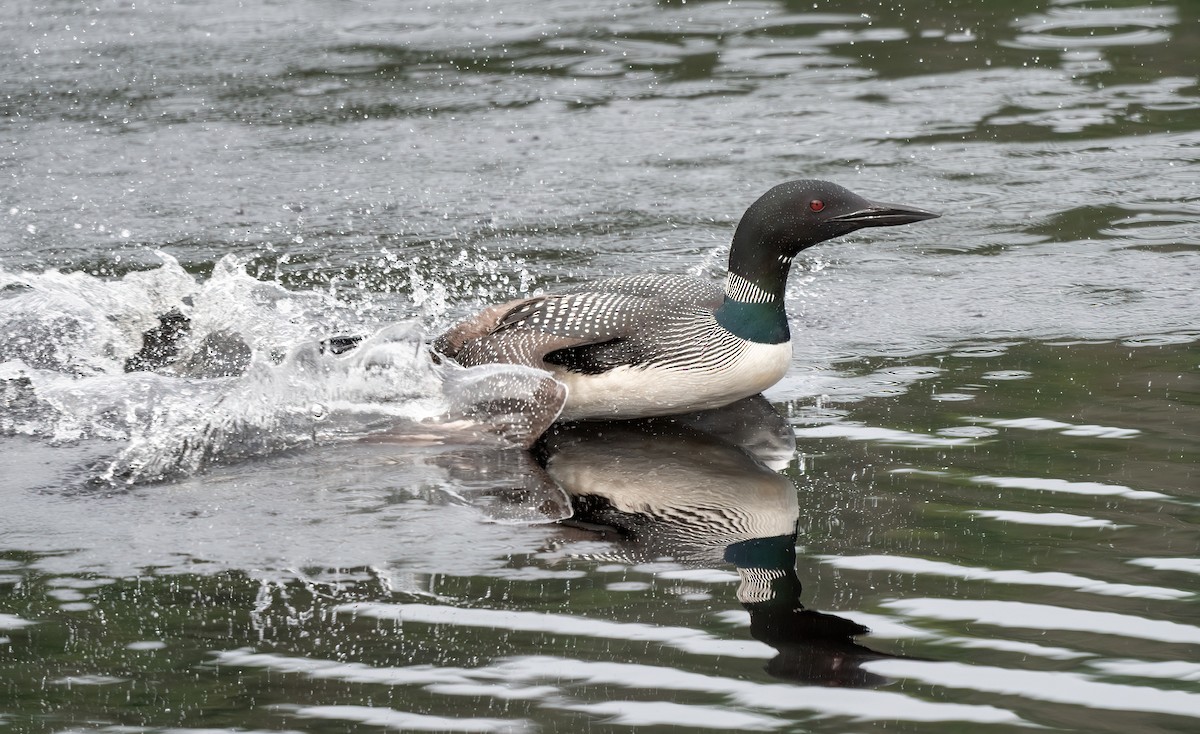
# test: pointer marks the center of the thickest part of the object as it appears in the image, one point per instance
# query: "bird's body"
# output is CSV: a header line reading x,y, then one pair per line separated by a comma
x,y
651,345
733,370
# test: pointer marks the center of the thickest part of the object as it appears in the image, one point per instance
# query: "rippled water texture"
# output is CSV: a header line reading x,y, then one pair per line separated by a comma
x,y
985,451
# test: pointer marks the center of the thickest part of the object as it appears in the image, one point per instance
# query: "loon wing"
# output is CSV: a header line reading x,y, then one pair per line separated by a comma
x,y
683,290
588,332
609,323
526,330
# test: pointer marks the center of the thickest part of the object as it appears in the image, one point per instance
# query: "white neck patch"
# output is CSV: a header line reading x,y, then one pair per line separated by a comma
x,y
740,289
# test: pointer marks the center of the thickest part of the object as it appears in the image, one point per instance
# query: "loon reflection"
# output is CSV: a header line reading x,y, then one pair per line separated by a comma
x,y
698,489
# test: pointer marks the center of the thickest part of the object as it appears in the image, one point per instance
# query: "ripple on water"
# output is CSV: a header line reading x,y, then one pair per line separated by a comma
x,y
981,352
1157,340
1013,646
1090,27
1050,484
899,564
555,682
1067,429
407,720
1139,37
857,432
967,432
13,622
1069,688
951,397
1006,375
666,713
88,680
1178,670
1186,565
1052,519
689,640
147,645
1047,617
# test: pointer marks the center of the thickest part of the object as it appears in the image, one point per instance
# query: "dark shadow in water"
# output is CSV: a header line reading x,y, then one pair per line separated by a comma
x,y
698,489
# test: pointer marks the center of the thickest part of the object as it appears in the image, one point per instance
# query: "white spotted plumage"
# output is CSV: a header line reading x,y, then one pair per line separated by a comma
x,y
651,345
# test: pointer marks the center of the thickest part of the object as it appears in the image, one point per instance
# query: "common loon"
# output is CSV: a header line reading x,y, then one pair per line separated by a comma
x,y
650,345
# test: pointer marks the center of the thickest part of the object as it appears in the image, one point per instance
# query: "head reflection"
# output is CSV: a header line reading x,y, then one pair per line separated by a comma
x,y
700,489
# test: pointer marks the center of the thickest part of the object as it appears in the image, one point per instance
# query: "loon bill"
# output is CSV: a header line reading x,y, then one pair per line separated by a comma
x,y
650,345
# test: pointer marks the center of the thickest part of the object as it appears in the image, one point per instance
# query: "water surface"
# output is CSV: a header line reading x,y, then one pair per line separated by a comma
x,y
994,414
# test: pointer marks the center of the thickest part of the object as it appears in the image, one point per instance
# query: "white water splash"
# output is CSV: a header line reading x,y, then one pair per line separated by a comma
x,y
250,375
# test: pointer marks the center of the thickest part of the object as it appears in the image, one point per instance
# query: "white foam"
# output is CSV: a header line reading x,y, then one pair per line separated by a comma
x,y
66,339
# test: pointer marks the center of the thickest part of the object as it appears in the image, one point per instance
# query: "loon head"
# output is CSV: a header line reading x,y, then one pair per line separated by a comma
x,y
799,214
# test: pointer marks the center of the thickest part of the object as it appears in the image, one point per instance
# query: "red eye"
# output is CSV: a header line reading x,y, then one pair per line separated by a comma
x,y
816,205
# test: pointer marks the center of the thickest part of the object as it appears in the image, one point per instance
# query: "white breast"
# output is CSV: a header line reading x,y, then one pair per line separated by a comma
x,y
640,392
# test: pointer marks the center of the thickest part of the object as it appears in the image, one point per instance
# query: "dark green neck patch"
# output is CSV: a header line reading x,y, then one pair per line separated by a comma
x,y
764,323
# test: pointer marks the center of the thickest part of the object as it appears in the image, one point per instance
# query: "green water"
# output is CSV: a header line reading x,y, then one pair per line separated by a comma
x,y
142,649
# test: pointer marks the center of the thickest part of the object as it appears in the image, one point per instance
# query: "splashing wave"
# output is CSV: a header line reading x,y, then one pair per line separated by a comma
x,y
246,369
